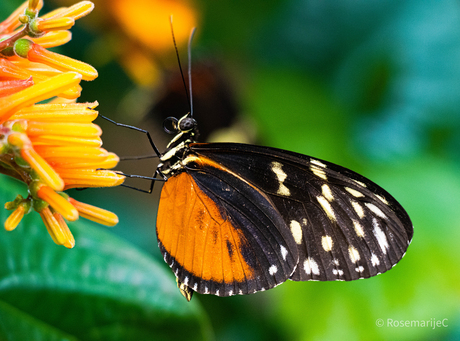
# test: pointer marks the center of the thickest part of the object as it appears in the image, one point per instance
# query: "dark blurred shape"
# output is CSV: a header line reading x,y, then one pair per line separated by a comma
x,y
214,104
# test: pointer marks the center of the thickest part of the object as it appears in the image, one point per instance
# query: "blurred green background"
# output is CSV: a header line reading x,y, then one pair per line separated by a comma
x,y
371,85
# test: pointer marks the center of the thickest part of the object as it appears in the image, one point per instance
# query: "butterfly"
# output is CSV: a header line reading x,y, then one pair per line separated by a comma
x,y
235,219
238,218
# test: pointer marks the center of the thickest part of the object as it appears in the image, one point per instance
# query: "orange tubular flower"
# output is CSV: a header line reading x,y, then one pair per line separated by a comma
x,y
49,146
38,54
143,63
10,87
55,24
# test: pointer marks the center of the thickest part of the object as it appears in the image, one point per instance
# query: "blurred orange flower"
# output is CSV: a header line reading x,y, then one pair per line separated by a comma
x,y
137,33
49,146
147,23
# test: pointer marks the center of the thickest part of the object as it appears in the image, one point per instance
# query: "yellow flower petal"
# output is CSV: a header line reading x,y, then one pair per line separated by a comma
x,y
39,70
95,214
56,140
71,153
58,203
10,70
35,5
61,62
52,13
70,243
57,232
43,169
64,129
90,178
58,112
24,70
36,93
75,11
72,93
110,162
15,218
53,38
55,24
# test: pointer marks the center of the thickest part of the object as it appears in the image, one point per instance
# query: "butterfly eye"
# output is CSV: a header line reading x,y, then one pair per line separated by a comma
x,y
187,124
170,125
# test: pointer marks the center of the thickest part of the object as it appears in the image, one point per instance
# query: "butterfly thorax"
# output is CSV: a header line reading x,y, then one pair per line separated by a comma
x,y
176,151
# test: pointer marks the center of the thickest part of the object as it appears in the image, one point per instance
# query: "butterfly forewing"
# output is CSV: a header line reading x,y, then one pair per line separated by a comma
x,y
344,226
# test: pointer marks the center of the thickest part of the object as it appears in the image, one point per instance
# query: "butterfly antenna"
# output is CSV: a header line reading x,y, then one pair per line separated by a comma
x,y
178,62
190,70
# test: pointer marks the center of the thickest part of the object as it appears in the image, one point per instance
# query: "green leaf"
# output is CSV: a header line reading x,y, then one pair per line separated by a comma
x,y
103,289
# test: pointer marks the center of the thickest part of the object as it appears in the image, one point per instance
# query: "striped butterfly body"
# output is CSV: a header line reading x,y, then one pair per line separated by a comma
x,y
237,219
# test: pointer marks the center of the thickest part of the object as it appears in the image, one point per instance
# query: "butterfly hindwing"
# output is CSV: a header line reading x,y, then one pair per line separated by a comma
x,y
345,227
221,235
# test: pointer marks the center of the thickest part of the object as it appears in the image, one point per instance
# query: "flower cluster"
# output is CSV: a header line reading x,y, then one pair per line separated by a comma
x,y
47,139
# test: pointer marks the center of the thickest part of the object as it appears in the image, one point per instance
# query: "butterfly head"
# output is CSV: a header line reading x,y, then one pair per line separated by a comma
x,y
184,128
186,132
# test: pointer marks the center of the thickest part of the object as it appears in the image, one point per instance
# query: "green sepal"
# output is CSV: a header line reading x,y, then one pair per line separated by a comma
x,y
22,47
39,204
20,161
12,205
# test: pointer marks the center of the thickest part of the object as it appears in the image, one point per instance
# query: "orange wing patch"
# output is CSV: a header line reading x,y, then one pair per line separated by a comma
x,y
192,230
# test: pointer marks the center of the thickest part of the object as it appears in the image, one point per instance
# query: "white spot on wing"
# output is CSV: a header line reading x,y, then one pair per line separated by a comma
x,y
354,192
382,199
358,208
310,266
283,190
326,207
358,228
277,168
375,209
195,287
318,163
381,237
362,184
354,254
375,260
359,269
273,270
185,280
327,243
318,172
337,272
296,231
284,252
230,293
327,193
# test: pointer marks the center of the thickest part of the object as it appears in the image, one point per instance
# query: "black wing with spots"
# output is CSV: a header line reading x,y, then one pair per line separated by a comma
x,y
345,226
